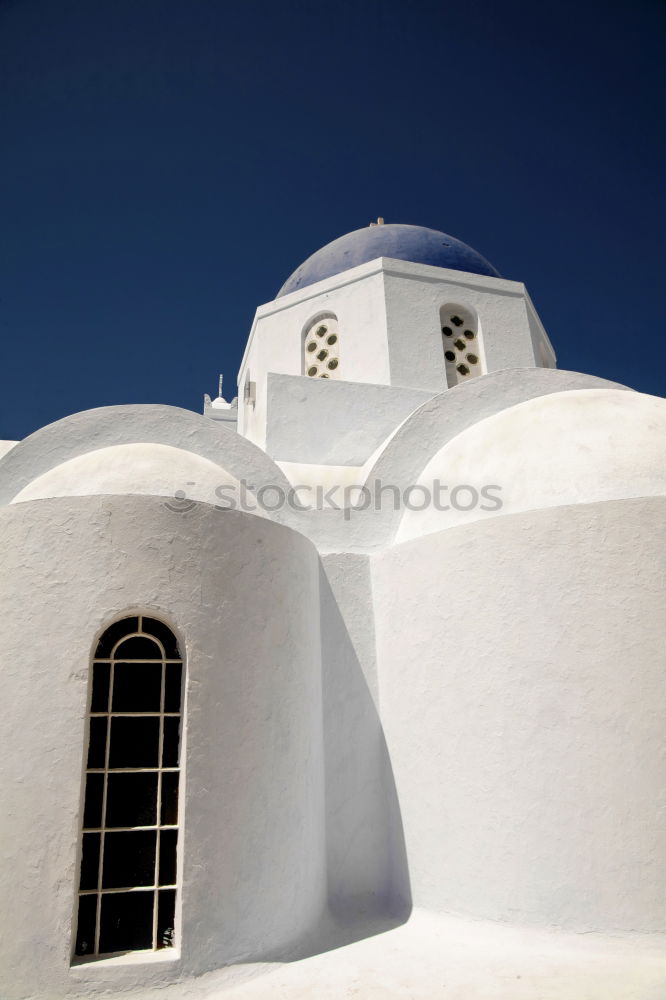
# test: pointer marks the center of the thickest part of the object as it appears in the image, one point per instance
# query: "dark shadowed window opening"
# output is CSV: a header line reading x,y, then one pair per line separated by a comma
x,y
128,880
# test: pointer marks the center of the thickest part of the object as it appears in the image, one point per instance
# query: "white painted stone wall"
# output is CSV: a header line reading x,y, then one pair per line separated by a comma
x,y
367,864
471,720
577,446
81,434
276,339
414,295
148,469
389,330
523,697
322,422
242,595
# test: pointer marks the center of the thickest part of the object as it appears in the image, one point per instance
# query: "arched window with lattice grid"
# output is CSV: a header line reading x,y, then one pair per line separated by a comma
x,y
128,875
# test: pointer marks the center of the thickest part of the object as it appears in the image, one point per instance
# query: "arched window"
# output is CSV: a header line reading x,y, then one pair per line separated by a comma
x,y
127,888
321,348
460,340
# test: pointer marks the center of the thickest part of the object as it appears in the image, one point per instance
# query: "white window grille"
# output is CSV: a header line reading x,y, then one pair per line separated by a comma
x,y
128,879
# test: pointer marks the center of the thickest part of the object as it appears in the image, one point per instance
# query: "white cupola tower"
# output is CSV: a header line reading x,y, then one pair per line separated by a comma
x,y
389,305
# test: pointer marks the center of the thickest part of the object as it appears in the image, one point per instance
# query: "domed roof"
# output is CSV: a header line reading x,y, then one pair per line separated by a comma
x,y
143,468
414,243
577,446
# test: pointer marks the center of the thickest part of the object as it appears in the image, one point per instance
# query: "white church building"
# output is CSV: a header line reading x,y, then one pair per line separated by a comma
x,y
354,685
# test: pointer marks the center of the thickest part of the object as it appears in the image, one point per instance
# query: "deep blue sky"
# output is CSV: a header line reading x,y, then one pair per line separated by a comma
x,y
167,163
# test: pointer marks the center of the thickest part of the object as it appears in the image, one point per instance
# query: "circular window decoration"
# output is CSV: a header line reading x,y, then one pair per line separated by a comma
x,y
324,375
321,348
459,335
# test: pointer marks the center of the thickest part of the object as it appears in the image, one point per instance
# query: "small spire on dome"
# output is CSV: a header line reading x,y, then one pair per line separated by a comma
x,y
379,222
218,408
220,402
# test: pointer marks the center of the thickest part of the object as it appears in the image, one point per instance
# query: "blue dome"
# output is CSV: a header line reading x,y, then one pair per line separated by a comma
x,y
414,243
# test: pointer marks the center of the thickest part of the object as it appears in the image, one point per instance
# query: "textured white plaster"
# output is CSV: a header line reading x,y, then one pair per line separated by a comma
x,y
321,421
367,867
153,469
446,415
569,447
324,476
276,341
523,697
109,426
242,595
414,297
471,720
389,330
433,956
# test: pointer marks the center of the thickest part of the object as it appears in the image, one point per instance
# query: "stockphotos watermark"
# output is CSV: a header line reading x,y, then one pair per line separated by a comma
x,y
350,500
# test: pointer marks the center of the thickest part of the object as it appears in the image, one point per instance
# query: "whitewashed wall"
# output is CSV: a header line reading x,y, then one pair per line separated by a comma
x,y
389,330
523,695
577,446
242,594
276,339
414,295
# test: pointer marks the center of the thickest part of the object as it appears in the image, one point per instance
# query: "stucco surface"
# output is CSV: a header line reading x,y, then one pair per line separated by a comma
x,y
390,330
242,595
150,469
367,865
435,956
525,707
442,418
277,337
414,299
110,426
423,435
570,447
333,423
422,757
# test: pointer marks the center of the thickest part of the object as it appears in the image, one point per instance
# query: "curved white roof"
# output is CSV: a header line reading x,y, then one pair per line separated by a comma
x,y
139,468
571,447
